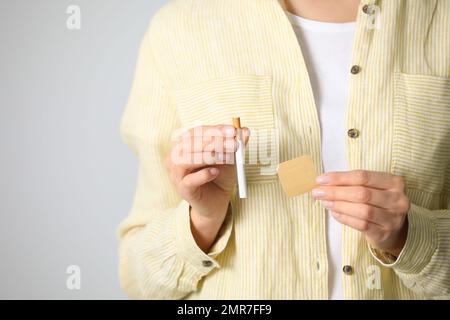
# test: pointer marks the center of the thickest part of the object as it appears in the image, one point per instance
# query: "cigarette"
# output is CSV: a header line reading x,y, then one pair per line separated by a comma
x,y
242,184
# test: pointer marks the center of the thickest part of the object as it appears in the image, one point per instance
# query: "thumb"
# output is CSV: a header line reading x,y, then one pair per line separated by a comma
x,y
245,134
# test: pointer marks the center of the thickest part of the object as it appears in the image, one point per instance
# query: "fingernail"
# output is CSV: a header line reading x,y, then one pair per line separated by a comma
x,y
318,193
327,204
214,171
323,179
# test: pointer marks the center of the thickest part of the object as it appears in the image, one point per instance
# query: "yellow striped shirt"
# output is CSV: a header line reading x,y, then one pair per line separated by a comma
x,y
206,61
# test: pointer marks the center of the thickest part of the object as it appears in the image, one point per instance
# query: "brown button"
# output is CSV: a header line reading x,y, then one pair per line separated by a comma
x,y
353,133
348,270
207,263
355,69
366,9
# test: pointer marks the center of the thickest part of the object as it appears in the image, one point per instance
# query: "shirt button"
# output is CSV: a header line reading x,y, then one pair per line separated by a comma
x,y
355,69
353,133
206,263
366,9
348,270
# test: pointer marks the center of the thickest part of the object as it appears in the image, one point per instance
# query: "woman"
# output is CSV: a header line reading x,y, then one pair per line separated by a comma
x,y
361,86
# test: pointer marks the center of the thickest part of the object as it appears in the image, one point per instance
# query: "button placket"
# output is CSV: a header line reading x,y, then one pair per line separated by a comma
x,y
358,74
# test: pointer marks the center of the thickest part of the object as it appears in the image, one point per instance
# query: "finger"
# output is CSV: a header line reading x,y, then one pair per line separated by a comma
x,y
360,211
376,197
212,158
372,179
193,161
199,178
355,223
221,130
200,144
245,134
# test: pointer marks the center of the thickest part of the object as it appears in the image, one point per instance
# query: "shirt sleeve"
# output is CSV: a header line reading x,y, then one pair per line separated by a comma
x,y
159,258
424,263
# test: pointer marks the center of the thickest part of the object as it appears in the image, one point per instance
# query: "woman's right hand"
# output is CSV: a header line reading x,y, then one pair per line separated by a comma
x,y
201,167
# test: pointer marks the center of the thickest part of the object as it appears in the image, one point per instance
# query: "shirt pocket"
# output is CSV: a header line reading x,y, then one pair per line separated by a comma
x,y
249,97
421,146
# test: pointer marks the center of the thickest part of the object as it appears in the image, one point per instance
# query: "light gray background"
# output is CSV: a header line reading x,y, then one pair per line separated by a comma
x,y
66,178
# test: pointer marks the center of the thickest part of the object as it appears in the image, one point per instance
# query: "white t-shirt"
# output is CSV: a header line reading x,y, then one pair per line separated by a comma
x,y
327,50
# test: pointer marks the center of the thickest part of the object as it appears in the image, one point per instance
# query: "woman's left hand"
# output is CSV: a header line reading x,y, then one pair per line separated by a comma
x,y
371,202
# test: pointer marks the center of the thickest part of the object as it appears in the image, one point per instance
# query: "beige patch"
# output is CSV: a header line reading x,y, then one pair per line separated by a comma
x,y
297,176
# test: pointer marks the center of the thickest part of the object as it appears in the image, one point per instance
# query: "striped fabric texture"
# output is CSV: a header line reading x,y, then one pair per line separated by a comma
x,y
206,61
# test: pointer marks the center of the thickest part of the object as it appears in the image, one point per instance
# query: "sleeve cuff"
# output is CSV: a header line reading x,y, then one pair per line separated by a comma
x,y
187,247
420,246
224,234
